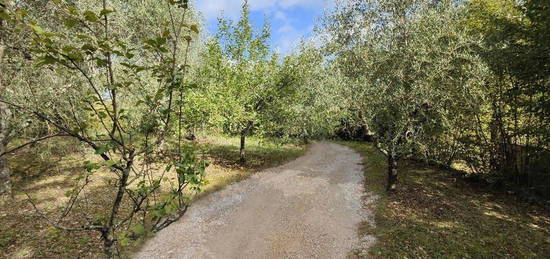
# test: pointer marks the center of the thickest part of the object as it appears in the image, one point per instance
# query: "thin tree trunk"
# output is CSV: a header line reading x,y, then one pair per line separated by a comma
x,y
392,171
5,174
496,161
242,149
244,133
109,229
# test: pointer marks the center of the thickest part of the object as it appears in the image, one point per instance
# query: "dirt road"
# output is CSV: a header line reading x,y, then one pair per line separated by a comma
x,y
308,208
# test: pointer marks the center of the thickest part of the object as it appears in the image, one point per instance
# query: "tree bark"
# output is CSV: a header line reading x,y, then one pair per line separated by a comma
x,y
5,173
107,234
242,159
392,171
244,133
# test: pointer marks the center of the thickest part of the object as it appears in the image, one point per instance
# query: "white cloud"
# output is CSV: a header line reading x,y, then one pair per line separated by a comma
x,y
257,5
301,3
279,15
288,35
212,9
289,39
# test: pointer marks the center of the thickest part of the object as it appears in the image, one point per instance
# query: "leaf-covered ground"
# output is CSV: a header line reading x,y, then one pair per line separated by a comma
x,y
47,177
436,214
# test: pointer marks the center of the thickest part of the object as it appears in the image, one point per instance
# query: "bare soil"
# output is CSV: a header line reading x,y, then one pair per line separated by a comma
x,y
311,207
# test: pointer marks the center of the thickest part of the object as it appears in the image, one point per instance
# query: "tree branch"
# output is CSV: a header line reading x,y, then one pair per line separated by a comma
x,y
56,225
33,142
67,131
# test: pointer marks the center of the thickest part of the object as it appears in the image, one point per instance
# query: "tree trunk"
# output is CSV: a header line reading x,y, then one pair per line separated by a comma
x,y
242,159
108,247
5,174
392,171
5,184
109,230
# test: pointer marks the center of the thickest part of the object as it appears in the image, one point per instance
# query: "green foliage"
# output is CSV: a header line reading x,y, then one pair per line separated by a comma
x,y
404,85
191,169
311,105
453,83
239,81
119,67
516,49
248,80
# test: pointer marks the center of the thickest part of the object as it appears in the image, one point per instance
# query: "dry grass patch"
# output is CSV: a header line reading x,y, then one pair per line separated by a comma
x,y
48,177
436,214
223,154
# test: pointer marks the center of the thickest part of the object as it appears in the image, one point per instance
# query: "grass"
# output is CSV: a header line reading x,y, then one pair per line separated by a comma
x,y
24,234
223,153
436,214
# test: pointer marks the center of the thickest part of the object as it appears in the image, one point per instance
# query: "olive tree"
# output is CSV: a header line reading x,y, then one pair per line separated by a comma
x,y
409,63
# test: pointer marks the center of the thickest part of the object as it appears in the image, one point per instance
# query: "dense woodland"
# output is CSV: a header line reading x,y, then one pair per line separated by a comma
x,y
457,84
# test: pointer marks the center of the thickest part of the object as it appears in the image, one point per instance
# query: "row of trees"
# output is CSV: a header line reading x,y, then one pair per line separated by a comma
x,y
243,88
451,82
129,82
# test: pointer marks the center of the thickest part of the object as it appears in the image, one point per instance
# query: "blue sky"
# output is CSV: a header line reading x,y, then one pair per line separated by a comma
x,y
290,19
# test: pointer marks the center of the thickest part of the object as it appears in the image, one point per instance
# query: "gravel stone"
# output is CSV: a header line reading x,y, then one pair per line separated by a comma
x,y
308,208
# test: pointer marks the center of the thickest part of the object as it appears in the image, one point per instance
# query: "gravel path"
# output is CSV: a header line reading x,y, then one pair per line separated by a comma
x,y
308,208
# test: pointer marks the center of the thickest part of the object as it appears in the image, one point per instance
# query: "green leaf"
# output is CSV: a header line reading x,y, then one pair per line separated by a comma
x,y
72,10
150,42
101,150
123,240
91,16
129,55
4,15
138,229
83,37
106,12
140,68
102,62
46,60
71,23
88,47
191,86
160,212
109,163
68,49
69,193
194,28
160,41
37,29
102,115
90,167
